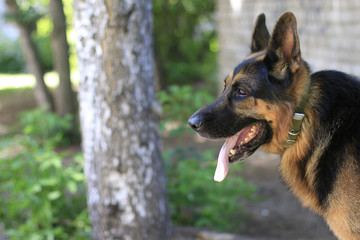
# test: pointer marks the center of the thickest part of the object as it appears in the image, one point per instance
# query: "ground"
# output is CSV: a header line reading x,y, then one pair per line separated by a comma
x,y
280,216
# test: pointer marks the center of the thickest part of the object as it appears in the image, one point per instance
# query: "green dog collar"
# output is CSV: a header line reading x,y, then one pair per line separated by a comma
x,y
295,129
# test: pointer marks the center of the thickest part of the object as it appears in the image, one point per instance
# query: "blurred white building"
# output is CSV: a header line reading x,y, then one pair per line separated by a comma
x,y
329,31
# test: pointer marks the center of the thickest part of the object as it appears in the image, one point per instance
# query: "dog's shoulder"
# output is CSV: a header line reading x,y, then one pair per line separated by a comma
x,y
336,97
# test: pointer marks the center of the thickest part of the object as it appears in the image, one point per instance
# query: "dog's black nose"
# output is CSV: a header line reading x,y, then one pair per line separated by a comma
x,y
195,122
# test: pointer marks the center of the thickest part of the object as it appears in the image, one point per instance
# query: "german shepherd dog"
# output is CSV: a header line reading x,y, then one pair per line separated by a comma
x,y
271,100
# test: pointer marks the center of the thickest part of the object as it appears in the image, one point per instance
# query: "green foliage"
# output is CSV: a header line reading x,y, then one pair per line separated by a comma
x,y
179,102
47,128
11,57
43,46
32,15
196,200
42,190
27,15
185,41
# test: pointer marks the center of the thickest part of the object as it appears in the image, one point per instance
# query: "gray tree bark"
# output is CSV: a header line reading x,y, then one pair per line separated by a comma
x,y
42,93
64,98
119,120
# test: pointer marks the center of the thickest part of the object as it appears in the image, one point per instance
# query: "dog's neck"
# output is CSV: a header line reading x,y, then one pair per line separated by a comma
x,y
301,102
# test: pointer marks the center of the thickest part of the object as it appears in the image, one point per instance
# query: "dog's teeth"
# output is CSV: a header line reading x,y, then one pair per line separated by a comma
x,y
242,142
232,152
246,139
251,134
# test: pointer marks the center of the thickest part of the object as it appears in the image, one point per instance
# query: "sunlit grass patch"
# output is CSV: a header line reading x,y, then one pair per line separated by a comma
x,y
28,80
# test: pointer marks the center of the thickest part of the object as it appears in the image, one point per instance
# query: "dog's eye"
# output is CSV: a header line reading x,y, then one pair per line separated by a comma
x,y
240,92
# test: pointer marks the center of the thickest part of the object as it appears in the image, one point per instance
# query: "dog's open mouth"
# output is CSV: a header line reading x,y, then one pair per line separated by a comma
x,y
241,145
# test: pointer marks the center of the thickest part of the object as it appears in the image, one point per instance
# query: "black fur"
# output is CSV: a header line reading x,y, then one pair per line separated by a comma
x,y
340,118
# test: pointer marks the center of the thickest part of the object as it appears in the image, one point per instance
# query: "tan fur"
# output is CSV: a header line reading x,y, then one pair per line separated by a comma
x,y
280,117
301,187
228,80
344,206
259,56
301,82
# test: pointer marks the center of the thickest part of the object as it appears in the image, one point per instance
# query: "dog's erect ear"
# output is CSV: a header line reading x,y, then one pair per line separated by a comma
x,y
284,47
260,36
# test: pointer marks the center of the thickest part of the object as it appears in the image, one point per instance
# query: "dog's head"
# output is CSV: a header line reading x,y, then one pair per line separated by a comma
x,y
259,97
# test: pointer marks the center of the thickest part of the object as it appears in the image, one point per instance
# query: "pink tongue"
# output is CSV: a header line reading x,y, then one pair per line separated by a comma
x,y
222,167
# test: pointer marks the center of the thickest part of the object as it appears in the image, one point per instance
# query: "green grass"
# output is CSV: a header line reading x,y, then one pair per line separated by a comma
x,y
14,81
4,92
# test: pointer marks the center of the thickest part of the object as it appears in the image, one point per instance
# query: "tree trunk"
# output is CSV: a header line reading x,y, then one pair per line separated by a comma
x,y
119,121
64,98
42,93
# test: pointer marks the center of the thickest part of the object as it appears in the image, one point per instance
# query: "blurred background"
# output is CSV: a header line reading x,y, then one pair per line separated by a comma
x,y
196,44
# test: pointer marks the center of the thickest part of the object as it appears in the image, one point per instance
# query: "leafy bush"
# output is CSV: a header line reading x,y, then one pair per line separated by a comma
x,y
196,200
42,190
11,57
47,128
179,102
185,41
